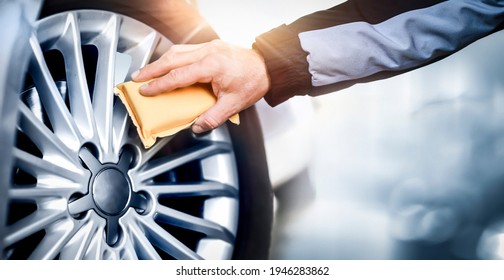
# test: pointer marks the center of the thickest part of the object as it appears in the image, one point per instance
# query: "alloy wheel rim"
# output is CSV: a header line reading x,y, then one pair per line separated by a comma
x,y
91,190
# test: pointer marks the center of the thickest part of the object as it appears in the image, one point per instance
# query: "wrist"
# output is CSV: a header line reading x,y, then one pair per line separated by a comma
x,y
264,76
286,64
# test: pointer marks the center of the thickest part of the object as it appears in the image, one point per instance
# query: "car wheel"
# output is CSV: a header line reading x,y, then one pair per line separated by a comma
x,y
83,186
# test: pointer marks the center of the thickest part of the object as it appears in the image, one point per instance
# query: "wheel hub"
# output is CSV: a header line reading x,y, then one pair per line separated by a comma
x,y
111,191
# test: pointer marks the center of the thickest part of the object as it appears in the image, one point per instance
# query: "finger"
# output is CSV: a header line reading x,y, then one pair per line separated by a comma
x,y
176,56
177,78
216,115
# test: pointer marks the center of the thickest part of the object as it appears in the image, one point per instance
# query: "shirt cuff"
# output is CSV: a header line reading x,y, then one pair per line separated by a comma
x,y
286,63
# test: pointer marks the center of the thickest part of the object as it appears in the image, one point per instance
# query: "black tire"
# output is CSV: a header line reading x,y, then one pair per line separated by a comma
x,y
175,20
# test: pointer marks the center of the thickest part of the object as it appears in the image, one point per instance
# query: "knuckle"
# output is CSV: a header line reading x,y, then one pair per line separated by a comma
x,y
174,75
168,57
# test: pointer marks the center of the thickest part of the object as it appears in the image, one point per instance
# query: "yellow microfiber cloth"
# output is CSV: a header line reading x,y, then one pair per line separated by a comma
x,y
167,113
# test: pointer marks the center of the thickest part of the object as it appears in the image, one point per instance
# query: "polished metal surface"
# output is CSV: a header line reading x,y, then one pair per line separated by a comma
x,y
96,192
18,17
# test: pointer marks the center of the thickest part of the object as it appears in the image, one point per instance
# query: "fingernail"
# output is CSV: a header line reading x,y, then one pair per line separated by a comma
x,y
135,74
144,87
196,128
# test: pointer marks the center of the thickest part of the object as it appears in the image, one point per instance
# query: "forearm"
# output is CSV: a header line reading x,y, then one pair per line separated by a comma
x,y
364,40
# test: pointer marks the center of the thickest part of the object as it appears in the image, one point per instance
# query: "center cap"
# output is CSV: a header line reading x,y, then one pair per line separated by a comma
x,y
111,191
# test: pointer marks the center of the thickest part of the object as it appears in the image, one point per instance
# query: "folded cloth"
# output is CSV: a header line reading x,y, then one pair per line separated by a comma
x,y
166,113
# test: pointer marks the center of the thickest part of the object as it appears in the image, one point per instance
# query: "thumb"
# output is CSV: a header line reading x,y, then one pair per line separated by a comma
x,y
213,117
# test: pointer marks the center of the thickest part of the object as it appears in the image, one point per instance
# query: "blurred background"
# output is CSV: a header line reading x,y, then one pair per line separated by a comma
x,y
410,167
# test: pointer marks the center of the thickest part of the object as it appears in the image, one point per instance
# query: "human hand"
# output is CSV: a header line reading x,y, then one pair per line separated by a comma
x,y
238,77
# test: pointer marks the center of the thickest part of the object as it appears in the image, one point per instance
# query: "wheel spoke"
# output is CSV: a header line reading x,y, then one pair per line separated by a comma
x,y
128,252
43,138
142,245
80,102
96,247
121,127
141,53
55,239
40,191
59,116
80,242
173,217
152,151
103,96
166,242
165,164
32,223
207,188
39,167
